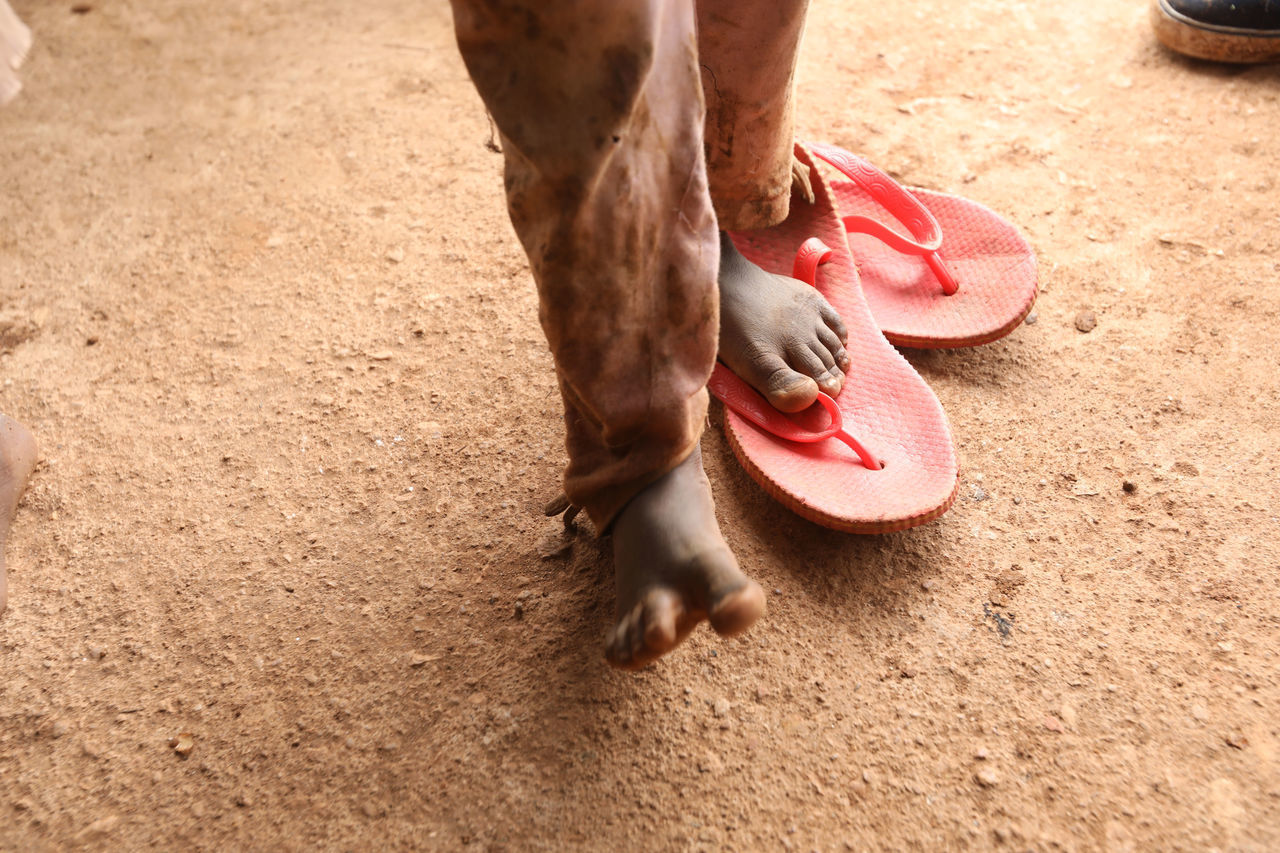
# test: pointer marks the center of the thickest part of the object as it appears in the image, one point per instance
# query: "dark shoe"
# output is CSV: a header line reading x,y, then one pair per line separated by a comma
x,y
1221,30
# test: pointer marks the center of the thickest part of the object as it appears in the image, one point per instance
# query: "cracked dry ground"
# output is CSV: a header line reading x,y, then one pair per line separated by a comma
x,y
262,306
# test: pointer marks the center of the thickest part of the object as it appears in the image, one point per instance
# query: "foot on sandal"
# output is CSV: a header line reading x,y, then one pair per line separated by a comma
x,y
17,459
674,569
778,334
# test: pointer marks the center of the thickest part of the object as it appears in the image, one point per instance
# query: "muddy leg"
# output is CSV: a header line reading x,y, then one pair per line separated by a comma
x,y
673,570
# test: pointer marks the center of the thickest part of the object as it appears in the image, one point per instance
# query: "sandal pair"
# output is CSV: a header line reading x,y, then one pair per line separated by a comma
x,y
879,457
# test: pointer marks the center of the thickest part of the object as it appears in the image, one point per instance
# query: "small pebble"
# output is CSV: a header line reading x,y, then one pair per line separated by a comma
x,y
1086,321
1129,486
97,653
555,544
183,744
98,828
987,778
721,707
1032,318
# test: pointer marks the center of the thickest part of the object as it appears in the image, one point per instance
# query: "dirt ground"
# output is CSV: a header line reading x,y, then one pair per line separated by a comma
x,y
261,304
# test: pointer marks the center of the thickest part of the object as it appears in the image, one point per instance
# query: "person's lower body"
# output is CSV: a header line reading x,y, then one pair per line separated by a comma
x,y
601,109
17,460
17,445
1242,31
15,41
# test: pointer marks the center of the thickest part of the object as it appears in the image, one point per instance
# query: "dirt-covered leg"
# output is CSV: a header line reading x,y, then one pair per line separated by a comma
x,y
673,570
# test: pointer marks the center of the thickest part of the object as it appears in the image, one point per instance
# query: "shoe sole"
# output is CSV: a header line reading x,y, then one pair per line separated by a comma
x,y
1207,41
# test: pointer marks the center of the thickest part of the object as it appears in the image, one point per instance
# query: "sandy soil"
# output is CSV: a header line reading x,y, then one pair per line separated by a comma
x,y
262,306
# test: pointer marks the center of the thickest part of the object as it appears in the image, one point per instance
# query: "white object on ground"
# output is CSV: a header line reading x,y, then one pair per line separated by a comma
x,y
15,41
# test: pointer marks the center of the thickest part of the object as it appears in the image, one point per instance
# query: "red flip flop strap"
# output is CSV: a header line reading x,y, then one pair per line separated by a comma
x,y
900,204
732,390
890,195
811,254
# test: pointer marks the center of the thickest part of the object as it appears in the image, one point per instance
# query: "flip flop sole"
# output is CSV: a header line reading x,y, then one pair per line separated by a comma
x,y
885,405
992,262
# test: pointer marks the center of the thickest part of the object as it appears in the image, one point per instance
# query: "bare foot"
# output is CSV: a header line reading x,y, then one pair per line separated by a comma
x,y
778,334
17,459
674,569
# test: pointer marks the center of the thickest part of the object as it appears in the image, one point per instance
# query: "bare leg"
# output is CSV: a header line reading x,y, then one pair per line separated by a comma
x,y
778,334
600,107
673,570
17,460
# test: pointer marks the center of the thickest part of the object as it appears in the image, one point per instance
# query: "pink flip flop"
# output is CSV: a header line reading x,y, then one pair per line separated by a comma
x,y
877,458
951,274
